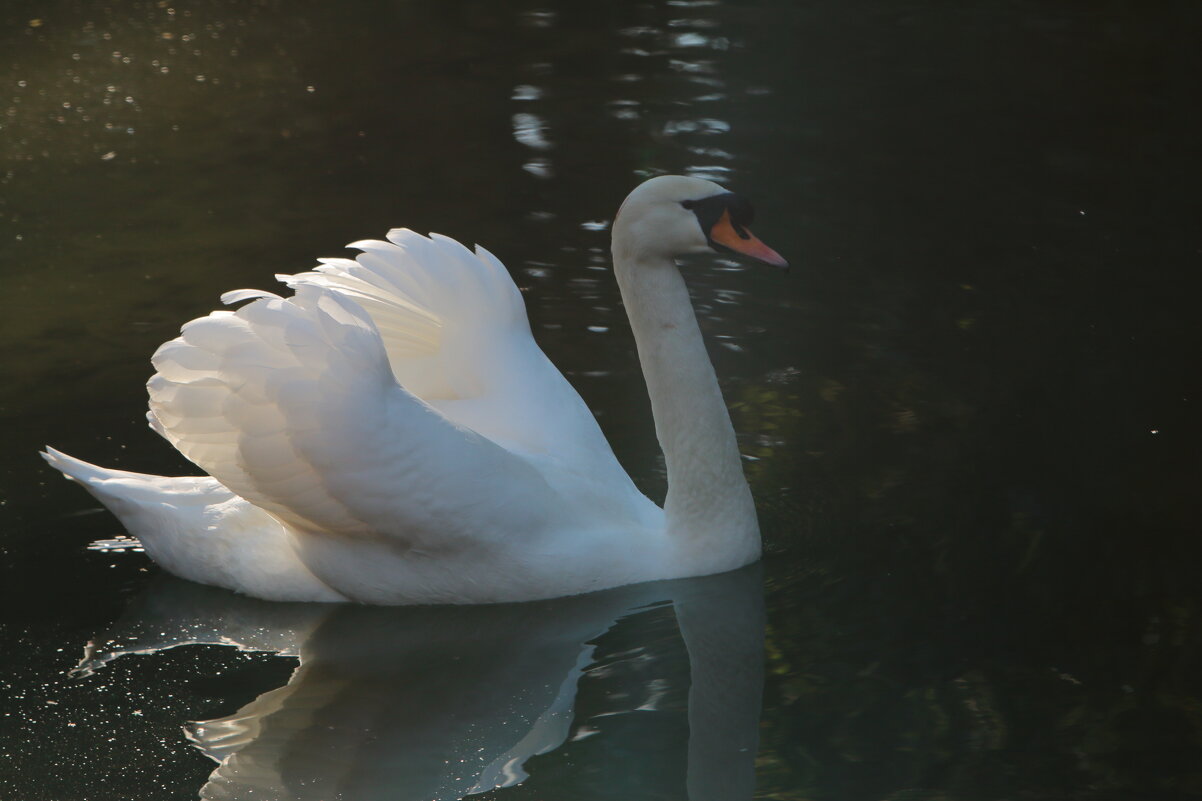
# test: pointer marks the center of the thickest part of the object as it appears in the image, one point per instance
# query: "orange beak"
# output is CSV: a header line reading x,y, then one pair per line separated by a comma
x,y
742,241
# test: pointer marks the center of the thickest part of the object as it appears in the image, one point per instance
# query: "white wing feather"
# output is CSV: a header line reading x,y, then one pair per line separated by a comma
x,y
455,329
291,404
399,394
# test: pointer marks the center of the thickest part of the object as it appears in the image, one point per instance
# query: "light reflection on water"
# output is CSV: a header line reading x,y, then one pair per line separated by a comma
x,y
438,703
81,88
667,42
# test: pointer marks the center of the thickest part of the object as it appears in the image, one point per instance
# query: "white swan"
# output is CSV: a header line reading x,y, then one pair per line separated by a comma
x,y
392,433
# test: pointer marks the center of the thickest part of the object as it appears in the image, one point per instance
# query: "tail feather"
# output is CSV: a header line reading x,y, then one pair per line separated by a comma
x,y
194,527
122,490
78,470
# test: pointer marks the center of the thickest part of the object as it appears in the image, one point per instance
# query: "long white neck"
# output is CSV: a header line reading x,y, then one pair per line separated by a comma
x,y
710,513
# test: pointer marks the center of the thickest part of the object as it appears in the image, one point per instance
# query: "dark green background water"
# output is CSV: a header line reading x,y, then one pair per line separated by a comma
x,y
971,410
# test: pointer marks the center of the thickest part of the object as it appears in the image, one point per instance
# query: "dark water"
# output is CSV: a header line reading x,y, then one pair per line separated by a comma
x,y
971,411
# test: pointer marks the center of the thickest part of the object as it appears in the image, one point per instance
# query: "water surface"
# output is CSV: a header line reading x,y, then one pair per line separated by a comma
x,y
968,412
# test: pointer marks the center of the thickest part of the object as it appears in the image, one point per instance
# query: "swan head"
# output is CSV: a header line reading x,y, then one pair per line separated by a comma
x,y
671,215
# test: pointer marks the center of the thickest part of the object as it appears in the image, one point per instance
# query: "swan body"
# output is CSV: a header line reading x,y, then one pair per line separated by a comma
x,y
391,433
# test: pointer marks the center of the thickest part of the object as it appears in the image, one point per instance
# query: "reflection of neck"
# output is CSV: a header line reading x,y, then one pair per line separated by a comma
x,y
708,506
723,628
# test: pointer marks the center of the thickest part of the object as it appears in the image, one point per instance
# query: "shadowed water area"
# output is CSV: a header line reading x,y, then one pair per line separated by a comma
x,y
969,413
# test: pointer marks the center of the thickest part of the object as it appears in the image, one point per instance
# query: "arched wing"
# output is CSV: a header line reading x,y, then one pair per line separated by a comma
x,y
293,405
455,330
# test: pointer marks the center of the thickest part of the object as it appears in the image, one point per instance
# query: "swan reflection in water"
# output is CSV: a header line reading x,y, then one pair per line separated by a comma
x,y
444,702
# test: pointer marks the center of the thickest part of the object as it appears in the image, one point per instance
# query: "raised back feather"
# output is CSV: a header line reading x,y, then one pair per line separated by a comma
x,y
425,294
407,363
